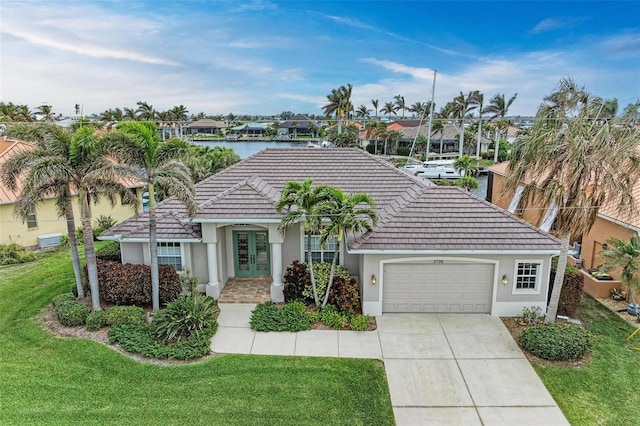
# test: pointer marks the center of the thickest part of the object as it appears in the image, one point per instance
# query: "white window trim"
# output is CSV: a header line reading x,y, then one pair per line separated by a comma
x,y
516,199
549,217
182,256
536,290
303,249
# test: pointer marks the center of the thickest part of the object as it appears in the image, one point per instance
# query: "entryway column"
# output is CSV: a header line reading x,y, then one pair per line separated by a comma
x,y
213,286
275,238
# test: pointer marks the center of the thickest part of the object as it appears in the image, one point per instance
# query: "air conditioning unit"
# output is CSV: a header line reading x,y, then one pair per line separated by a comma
x,y
49,240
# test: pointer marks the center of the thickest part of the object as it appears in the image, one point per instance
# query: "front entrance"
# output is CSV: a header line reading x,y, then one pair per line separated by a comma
x,y
251,253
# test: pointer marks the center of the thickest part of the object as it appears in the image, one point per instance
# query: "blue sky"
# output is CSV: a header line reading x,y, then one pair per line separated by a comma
x,y
264,57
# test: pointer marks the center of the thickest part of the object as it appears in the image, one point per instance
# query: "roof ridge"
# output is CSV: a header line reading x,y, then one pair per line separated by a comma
x,y
258,184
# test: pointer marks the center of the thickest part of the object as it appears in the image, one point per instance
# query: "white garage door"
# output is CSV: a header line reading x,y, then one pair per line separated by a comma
x,y
445,287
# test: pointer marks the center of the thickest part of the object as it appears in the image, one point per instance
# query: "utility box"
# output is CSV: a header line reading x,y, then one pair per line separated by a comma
x,y
49,240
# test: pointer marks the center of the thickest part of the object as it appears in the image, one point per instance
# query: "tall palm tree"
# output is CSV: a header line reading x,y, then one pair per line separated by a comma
x,y
156,163
467,165
46,111
399,103
461,108
64,163
145,111
477,99
578,162
624,255
632,113
420,109
363,111
375,104
438,127
388,109
344,213
339,102
301,201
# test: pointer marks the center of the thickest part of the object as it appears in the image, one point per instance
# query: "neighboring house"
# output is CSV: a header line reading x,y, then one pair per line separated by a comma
x,y
298,125
609,223
44,223
251,129
434,249
204,126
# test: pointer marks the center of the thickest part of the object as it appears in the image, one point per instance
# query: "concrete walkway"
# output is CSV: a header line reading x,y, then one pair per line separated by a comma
x,y
442,369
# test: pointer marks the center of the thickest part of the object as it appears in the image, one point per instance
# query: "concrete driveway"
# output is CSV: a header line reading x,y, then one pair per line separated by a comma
x,y
442,369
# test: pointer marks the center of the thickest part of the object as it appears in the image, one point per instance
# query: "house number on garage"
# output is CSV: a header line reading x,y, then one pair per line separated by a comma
x,y
438,262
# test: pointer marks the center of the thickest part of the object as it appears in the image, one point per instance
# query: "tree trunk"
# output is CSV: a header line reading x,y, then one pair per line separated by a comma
x,y
496,147
552,309
479,138
90,252
153,251
461,140
333,268
73,244
311,274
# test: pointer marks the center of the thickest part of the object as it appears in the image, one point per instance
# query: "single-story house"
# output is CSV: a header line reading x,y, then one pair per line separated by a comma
x,y
205,126
44,227
298,125
251,129
434,249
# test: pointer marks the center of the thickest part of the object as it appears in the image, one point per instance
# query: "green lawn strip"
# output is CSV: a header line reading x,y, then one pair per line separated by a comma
x,y
604,390
45,379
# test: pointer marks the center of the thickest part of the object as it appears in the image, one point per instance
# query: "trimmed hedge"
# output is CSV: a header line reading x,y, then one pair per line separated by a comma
x,y
96,320
556,341
572,287
61,298
131,284
71,313
126,315
345,295
110,252
290,317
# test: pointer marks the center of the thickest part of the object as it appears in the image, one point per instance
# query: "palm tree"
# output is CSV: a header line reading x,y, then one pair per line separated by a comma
x,y
344,213
624,255
437,127
339,102
420,109
63,163
399,103
388,109
578,162
145,111
477,98
632,113
363,111
466,165
138,144
460,109
46,112
301,201
375,103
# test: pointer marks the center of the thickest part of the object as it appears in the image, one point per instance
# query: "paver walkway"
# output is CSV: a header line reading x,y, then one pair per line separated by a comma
x,y
442,369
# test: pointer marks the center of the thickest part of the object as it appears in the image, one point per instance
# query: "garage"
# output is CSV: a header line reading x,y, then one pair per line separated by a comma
x,y
437,286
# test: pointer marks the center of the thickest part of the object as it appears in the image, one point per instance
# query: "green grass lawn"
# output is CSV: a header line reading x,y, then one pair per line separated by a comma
x,y
604,390
45,379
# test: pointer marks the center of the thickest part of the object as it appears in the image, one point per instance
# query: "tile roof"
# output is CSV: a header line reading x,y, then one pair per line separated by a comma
x,y
8,148
414,213
207,122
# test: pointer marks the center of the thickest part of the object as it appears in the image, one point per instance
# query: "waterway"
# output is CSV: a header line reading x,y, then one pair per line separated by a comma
x,y
247,148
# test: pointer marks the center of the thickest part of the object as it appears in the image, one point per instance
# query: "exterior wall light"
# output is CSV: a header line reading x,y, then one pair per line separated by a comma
x,y
505,280
373,279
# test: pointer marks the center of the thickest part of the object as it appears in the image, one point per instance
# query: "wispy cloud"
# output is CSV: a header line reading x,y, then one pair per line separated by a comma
x,y
553,24
83,48
628,43
254,6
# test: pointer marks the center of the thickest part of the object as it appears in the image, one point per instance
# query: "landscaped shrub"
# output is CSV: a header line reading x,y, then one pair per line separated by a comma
x,y
96,320
295,278
110,252
571,294
102,223
403,151
141,339
555,341
187,315
131,284
61,298
332,318
345,295
359,323
12,254
290,317
321,271
126,315
71,313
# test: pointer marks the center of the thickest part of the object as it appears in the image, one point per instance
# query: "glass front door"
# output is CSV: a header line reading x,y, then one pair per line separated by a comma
x,y
251,253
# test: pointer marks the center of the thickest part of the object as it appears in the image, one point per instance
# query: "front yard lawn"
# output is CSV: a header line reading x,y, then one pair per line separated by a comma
x,y
45,379
604,390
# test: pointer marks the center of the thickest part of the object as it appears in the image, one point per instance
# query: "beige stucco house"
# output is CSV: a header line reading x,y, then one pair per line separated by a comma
x,y
434,249
45,221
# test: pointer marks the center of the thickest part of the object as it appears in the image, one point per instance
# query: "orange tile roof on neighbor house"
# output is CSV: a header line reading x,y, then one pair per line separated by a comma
x,y
9,147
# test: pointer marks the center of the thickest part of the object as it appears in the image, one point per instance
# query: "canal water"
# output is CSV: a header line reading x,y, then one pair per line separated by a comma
x,y
247,148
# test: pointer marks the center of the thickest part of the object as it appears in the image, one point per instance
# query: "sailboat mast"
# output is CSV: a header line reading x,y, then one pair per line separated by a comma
x,y
433,92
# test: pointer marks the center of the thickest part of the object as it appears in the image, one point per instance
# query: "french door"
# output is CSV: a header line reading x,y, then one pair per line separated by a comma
x,y
251,253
